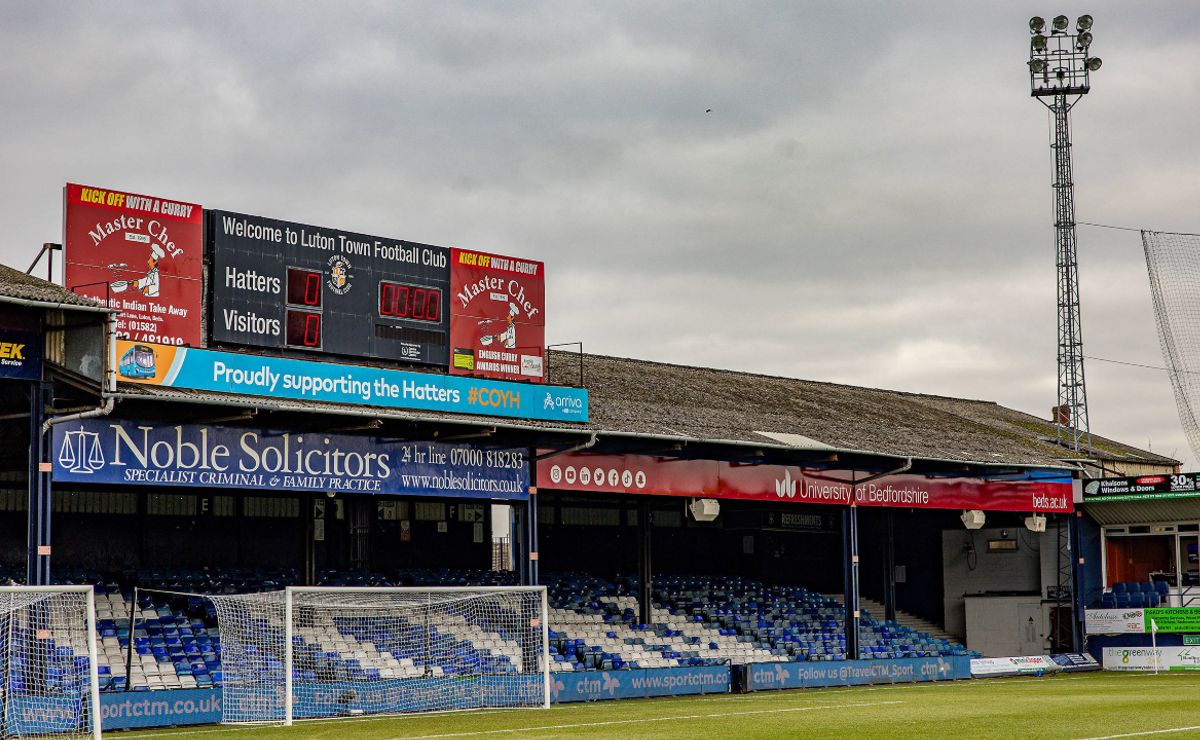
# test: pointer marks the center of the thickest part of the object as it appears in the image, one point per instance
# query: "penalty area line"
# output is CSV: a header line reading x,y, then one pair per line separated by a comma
x,y
254,726
644,720
1146,732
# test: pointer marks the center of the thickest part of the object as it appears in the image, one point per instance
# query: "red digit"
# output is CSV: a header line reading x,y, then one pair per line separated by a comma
x,y
402,301
312,330
387,299
433,309
418,302
312,289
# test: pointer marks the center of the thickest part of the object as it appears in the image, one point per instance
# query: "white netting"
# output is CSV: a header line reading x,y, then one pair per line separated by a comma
x,y
381,651
1173,261
47,687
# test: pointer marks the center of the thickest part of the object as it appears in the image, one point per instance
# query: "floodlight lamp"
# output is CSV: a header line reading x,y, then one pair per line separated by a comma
x,y
1038,43
1037,65
1084,40
973,519
1094,63
1036,24
1084,23
1061,22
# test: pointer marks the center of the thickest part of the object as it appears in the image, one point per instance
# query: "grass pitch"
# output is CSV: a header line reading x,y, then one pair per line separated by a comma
x,y
1088,705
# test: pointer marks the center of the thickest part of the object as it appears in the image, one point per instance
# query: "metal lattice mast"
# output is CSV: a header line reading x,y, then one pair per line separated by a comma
x,y
1074,429
1059,66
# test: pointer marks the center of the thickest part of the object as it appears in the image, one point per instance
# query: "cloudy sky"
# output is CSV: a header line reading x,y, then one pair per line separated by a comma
x,y
867,202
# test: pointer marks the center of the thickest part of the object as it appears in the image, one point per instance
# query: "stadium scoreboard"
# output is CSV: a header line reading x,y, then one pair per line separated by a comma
x,y
284,285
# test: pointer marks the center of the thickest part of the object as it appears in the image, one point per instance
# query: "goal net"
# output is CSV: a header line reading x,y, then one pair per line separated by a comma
x,y
49,686
306,653
1173,261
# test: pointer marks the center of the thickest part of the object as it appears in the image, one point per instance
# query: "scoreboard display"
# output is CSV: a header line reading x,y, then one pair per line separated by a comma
x,y
285,285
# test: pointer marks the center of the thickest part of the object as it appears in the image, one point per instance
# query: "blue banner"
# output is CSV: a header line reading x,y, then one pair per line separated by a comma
x,y
129,452
305,380
135,709
20,354
638,683
804,675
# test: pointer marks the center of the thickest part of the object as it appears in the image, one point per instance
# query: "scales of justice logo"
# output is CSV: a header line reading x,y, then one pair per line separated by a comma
x,y
81,452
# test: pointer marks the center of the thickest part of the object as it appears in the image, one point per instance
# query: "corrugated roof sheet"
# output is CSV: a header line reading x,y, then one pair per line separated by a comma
x,y
1144,512
637,397
16,284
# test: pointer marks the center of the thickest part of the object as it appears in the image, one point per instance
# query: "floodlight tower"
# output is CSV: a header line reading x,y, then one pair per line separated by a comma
x,y
1059,65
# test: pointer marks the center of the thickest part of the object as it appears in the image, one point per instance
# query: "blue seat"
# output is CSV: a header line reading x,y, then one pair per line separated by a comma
x,y
1118,588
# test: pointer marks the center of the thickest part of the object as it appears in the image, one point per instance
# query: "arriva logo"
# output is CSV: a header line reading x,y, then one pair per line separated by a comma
x,y
549,402
786,487
781,674
80,452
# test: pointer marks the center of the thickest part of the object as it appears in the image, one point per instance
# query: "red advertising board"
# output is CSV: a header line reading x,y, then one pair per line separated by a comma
x,y
497,316
644,474
138,253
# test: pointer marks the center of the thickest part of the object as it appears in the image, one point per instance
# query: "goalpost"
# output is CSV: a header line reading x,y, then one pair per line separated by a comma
x,y
50,684
313,652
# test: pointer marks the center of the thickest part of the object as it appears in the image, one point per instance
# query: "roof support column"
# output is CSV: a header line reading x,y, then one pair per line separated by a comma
x,y
516,538
532,521
1078,565
889,567
850,589
645,574
37,570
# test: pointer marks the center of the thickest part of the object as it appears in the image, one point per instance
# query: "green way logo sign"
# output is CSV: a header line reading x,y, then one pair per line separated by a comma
x,y
1175,621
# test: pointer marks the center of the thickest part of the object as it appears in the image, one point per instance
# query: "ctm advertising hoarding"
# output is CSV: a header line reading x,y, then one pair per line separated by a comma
x,y
138,253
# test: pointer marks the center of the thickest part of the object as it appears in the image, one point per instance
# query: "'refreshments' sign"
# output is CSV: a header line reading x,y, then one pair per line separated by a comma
x,y
497,316
140,254
129,452
1042,490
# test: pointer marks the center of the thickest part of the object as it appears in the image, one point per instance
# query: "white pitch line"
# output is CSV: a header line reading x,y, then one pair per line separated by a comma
x,y
644,720
1146,732
327,720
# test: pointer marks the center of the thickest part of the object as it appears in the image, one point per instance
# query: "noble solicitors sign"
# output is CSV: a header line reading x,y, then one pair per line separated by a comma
x,y
134,453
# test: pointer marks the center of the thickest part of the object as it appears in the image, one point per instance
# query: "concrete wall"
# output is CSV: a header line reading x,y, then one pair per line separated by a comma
x,y
1020,571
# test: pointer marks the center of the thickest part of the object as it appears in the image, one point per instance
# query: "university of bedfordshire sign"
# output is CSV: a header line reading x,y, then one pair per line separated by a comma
x,y
1040,490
